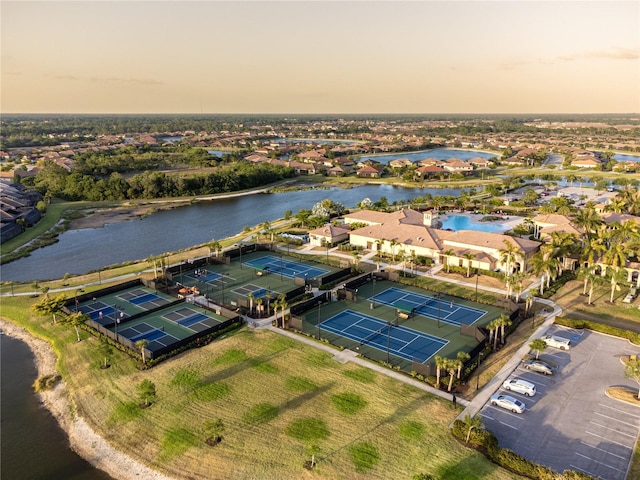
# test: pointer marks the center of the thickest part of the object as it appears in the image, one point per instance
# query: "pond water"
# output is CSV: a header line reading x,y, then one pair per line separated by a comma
x,y
81,251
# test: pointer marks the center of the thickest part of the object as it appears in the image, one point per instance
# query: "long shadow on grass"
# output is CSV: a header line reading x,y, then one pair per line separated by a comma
x,y
305,397
399,413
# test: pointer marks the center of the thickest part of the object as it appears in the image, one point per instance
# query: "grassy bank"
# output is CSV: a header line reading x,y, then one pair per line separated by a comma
x,y
280,402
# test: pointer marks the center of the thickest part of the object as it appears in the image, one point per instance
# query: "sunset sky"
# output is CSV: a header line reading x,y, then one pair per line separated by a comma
x,y
320,57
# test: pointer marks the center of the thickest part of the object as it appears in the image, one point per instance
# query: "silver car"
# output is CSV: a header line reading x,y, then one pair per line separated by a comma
x,y
520,386
507,402
538,366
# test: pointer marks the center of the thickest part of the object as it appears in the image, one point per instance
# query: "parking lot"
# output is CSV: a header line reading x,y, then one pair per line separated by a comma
x,y
571,423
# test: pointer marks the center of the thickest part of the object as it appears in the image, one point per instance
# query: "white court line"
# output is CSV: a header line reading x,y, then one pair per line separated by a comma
x,y
599,463
605,451
619,411
609,428
608,439
613,418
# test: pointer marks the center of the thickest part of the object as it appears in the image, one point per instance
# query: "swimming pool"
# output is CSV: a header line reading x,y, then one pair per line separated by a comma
x,y
464,222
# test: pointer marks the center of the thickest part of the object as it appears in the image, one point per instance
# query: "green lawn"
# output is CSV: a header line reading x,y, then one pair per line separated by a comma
x,y
280,401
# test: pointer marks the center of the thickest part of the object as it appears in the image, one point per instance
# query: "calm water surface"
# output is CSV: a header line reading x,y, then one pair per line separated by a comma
x,y
437,153
463,222
32,444
81,251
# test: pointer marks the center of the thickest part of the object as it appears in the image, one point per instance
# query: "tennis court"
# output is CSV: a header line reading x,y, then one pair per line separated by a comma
x,y
192,319
156,337
212,278
143,299
287,268
429,306
385,336
102,313
256,291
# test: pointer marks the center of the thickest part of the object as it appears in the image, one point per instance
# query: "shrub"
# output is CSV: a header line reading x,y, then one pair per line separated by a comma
x,y
46,382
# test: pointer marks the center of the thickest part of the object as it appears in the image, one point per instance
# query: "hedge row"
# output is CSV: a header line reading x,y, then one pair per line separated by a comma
x,y
633,337
487,443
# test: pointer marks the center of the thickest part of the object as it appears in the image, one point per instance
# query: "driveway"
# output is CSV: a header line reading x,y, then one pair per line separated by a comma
x,y
571,423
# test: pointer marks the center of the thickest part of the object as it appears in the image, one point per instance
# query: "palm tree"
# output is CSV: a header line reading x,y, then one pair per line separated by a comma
x,y
469,257
504,321
440,364
493,331
283,306
594,281
250,297
267,295
259,307
539,266
447,254
508,255
462,358
537,345
472,422
142,345
452,368
588,220
214,246
356,258
393,243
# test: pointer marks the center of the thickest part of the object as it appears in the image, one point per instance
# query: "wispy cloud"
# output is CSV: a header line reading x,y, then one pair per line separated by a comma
x,y
615,53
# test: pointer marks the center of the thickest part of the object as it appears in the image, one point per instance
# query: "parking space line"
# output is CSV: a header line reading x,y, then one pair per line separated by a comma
x,y
584,471
609,428
605,451
507,425
513,415
486,416
608,439
619,411
599,463
615,419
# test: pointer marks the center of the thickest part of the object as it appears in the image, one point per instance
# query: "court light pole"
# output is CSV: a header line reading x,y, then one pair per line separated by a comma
x,y
373,301
389,338
477,276
318,323
478,368
438,297
280,267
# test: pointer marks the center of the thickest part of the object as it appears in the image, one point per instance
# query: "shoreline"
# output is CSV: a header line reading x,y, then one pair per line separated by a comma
x,y
83,439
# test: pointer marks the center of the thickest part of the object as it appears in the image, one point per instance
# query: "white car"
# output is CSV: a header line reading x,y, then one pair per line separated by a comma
x,y
557,342
520,386
631,296
507,402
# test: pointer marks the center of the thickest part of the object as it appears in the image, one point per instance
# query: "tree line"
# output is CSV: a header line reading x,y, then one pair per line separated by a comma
x,y
55,181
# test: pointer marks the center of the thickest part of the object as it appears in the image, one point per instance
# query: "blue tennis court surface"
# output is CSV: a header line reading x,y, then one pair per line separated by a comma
x,y
401,341
289,269
430,307
144,331
205,275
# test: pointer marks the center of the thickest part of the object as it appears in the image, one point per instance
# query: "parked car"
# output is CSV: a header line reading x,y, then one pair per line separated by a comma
x,y
507,402
538,366
633,293
557,342
520,386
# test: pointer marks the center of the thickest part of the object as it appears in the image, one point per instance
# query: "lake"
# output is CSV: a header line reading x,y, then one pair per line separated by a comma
x,y
81,251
